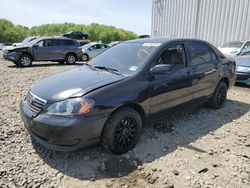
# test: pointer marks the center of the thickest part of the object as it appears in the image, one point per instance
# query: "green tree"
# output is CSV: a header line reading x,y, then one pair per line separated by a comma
x,y
97,32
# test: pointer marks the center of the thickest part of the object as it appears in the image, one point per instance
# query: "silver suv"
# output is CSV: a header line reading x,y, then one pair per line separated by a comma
x,y
57,49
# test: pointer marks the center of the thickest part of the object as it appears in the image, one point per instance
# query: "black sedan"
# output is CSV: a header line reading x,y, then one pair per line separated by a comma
x,y
109,99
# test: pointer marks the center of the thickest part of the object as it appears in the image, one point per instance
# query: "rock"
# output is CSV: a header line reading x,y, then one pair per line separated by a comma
x,y
203,170
59,176
167,184
109,184
154,169
175,172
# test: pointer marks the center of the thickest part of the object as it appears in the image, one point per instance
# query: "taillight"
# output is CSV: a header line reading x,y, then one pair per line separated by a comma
x,y
80,49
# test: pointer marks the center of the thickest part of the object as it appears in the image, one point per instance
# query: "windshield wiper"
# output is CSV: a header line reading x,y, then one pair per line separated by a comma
x,y
90,66
108,69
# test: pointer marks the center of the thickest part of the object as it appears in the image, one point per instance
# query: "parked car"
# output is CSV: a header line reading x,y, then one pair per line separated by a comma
x,y
91,50
114,43
109,99
45,49
4,45
243,66
144,36
232,48
76,35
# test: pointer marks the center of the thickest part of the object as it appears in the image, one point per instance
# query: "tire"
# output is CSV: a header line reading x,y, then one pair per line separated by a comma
x,y
219,96
85,57
70,59
25,60
123,125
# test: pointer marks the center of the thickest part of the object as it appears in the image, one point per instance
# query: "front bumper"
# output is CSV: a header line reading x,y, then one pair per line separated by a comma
x,y
243,77
63,133
13,56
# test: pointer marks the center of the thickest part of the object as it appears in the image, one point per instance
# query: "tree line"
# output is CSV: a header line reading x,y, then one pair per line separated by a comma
x,y
10,32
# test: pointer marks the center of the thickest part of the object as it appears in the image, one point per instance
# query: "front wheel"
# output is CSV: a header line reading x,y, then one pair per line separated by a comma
x,y
70,59
122,131
219,96
85,57
25,60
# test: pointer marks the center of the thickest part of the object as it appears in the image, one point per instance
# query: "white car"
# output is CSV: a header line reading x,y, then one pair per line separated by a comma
x,y
233,48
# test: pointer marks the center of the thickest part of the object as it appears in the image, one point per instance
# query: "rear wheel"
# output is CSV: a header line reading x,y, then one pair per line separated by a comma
x,y
122,131
219,96
25,60
70,59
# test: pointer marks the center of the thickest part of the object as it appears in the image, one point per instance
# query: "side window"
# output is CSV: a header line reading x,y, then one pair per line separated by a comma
x,y
68,43
98,46
201,53
173,55
50,43
103,46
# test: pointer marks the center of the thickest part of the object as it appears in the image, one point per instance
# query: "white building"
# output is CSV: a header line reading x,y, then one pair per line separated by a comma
x,y
217,21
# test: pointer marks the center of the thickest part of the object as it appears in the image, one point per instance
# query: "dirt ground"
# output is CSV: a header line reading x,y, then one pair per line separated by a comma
x,y
196,148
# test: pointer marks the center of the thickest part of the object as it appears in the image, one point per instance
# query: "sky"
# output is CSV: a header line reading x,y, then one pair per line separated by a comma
x,y
132,15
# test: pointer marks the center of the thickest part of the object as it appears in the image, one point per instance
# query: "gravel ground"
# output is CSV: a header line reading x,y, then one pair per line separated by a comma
x,y
196,148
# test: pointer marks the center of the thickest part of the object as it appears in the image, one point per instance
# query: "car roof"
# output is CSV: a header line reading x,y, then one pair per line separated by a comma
x,y
166,40
55,37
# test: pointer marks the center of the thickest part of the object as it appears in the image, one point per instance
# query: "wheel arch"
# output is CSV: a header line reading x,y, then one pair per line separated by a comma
x,y
134,106
26,53
68,53
226,80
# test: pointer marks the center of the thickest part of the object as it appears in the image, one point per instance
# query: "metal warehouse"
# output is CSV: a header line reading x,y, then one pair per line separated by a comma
x,y
217,21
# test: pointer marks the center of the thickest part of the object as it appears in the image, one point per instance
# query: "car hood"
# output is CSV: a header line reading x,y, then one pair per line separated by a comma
x,y
228,50
11,48
74,83
243,61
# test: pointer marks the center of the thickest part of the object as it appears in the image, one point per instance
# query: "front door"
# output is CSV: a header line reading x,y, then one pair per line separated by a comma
x,y
175,87
47,50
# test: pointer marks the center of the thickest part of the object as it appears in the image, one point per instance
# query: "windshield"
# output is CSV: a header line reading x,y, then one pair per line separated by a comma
x,y
86,46
126,58
246,51
232,45
31,43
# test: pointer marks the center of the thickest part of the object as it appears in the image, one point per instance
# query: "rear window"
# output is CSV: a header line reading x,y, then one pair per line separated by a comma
x,y
66,43
201,53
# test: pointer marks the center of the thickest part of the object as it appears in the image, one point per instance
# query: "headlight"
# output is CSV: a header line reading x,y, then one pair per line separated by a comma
x,y
71,107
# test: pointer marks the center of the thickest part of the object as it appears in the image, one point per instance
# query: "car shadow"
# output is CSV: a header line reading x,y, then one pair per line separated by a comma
x,y
242,85
159,138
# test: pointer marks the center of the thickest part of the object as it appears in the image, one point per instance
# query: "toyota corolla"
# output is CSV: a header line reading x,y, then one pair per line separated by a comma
x,y
108,100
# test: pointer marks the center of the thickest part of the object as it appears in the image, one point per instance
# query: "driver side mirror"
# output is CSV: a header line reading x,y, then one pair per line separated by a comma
x,y
35,45
160,69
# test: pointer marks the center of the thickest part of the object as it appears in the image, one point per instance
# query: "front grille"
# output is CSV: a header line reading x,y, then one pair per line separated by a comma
x,y
34,102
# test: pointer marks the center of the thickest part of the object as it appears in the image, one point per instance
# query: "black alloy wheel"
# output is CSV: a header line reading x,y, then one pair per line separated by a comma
x,y
122,131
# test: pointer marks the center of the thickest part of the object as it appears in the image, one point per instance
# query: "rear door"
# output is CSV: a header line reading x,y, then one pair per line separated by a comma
x,y
204,63
65,46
